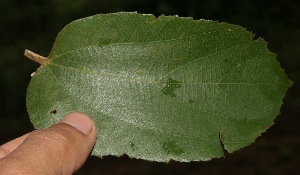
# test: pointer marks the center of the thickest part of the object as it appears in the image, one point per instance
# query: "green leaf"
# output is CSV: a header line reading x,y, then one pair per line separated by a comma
x,y
160,89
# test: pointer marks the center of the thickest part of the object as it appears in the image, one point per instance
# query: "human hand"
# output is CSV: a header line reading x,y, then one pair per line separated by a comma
x,y
59,149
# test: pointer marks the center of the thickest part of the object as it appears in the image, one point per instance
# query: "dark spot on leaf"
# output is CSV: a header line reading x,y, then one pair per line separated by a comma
x,y
170,87
132,145
53,111
170,147
191,101
226,61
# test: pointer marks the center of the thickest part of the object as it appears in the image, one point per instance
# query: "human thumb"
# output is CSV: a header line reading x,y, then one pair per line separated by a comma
x,y
59,149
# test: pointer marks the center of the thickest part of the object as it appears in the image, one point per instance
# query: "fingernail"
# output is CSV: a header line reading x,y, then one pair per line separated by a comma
x,y
80,121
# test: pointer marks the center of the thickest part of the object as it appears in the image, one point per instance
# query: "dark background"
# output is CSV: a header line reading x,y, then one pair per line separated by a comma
x,y
34,24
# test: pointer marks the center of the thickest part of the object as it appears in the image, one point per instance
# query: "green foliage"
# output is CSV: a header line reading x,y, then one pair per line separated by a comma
x,y
160,89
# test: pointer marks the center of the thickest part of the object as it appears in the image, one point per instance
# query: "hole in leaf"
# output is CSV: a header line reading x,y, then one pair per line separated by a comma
x,y
53,111
255,37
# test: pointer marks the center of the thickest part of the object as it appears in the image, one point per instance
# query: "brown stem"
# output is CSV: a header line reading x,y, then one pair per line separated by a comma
x,y
35,57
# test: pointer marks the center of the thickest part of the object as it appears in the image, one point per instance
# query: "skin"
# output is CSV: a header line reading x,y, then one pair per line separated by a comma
x,y
59,149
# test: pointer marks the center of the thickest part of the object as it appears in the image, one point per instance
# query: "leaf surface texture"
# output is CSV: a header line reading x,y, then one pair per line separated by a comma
x,y
160,89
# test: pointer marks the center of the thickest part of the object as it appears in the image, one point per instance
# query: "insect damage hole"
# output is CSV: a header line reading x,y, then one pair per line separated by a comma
x,y
53,111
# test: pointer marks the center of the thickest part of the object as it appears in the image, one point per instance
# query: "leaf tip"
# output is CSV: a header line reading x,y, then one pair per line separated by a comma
x,y
35,57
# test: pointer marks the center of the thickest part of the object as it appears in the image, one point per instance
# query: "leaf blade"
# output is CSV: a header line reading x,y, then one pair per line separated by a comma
x,y
160,89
